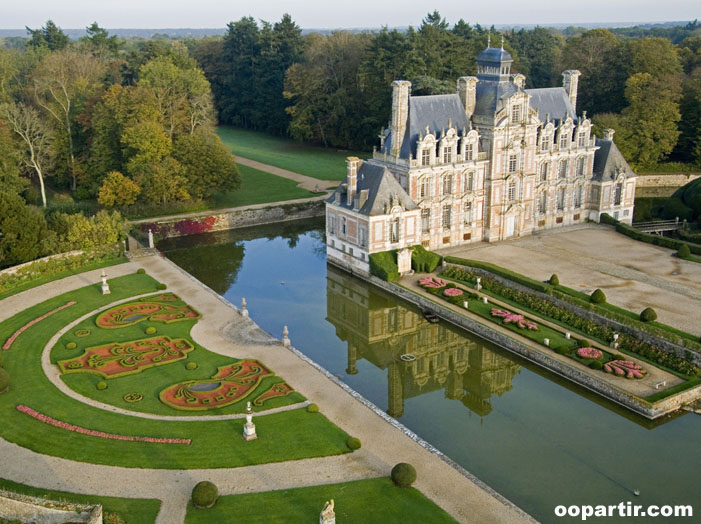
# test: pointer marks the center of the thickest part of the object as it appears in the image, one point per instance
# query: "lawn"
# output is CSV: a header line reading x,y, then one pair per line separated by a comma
x,y
133,511
372,501
316,162
282,436
258,187
151,381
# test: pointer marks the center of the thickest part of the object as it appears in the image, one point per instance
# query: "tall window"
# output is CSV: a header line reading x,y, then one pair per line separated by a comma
x,y
581,139
516,114
469,151
448,184
469,181
544,170
447,155
426,220
446,217
467,213
581,163
564,139
343,225
561,199
512,191
332,224
513,163
617,195
425,156
562,169
394,230
425,188
542,202
363,237
544,142
577,197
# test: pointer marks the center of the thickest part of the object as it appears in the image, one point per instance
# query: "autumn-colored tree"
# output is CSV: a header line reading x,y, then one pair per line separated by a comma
x,y
118,190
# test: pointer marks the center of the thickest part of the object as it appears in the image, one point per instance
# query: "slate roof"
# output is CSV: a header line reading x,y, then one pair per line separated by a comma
x,y
494,54
608,160
382,188
553,101
490,97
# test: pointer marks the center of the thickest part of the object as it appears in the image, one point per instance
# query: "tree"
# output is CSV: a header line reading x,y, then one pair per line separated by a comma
x,y
207,164
36,137
118,190
99,43
10,162
162,182
24,233
49,36
145,143
76,231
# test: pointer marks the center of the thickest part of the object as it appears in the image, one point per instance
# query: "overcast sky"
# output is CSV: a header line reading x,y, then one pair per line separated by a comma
x,y
71,14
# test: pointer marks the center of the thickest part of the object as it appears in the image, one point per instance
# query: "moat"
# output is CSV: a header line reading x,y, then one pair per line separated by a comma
x,y
538,440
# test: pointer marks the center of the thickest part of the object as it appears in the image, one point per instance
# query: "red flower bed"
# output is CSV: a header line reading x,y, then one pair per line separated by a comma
x,y
77,429
280,389
589,352
625,368
119,359
9,341
133,312
519,320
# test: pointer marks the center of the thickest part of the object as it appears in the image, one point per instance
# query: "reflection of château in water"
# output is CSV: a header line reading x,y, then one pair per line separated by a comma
x,y
380,330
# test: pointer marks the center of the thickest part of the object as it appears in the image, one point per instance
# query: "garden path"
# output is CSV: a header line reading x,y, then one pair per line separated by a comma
x,y
303,181
461,495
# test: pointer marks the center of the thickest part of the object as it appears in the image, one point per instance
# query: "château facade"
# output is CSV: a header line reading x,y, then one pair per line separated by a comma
x,y
492,161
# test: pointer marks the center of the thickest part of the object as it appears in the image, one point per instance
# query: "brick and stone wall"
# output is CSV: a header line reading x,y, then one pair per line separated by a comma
x,y
23,508
662,184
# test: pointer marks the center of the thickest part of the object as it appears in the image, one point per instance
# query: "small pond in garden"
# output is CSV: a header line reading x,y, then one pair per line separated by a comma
x,y
535,438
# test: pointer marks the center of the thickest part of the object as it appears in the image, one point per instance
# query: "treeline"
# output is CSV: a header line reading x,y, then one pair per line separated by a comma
x,y
121,126
334,89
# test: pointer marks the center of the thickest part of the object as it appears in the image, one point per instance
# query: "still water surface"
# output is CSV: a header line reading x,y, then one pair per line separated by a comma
x,y
533,437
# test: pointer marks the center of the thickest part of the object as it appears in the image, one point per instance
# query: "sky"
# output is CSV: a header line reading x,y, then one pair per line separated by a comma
x,y
323,14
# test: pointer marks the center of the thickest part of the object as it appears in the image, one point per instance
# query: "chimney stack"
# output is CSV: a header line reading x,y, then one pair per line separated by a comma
x,y
352,165
608,134
570,79
400,113
467,89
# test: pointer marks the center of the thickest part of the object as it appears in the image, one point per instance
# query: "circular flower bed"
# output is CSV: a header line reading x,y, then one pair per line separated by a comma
x,y
589,352
133,397
82,332
433,282
452,292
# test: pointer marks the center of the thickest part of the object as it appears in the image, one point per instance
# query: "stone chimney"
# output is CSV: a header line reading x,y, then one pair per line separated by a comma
x,y
608,134
467,88
400,113
570,79
519,80
352,165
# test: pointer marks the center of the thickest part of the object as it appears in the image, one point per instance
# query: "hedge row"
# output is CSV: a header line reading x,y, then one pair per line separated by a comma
x,y
497,270
550,310
423,261
384,265
658,240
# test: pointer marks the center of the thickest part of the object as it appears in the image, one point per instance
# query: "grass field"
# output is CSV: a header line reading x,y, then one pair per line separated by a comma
x,y
373,501
316,162
258,187
282,436
133,511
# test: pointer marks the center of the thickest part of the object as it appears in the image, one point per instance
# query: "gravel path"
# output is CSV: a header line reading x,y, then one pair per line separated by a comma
x,y
303,181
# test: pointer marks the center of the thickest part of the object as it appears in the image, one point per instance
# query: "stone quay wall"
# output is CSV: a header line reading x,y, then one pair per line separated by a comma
x,y
661,184
590,382
23,508
230,219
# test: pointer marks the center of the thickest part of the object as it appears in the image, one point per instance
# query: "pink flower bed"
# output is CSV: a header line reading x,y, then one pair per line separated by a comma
x,y
77,429
590,352
519,320
432,282
625,368
9,341
452,292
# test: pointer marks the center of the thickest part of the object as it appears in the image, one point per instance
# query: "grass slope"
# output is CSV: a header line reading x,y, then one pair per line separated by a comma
x,y
316,162
373,501
283,436
133,511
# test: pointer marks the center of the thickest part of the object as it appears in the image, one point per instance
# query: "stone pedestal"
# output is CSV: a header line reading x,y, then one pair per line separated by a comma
x,y
286,337
150,238
105,285
327,515
404,261
249,428
244,311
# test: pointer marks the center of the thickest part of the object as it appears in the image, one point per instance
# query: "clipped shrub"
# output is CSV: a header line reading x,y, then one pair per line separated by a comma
x,y
423,261
191,365
161,286
204,495
113,518
596,364
101,385
598,297
71,345
353,443
684,251
403,475
384,265
312,408
4,380
554,280
562,350
140,271
648,315
583,343
151,330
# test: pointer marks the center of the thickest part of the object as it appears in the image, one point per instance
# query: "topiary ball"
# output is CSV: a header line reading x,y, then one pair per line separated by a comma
x,y
353,443
583,343
4,380
648,315
563,350
150,330
101,385
554,280
71,345
403,475
204,495
312,408
140,271
161,286
684,251
596,364
191,365
598,297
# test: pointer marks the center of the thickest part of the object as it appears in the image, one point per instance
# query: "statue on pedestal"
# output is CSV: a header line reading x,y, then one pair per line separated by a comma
x,y
249,428
105,285
327,515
